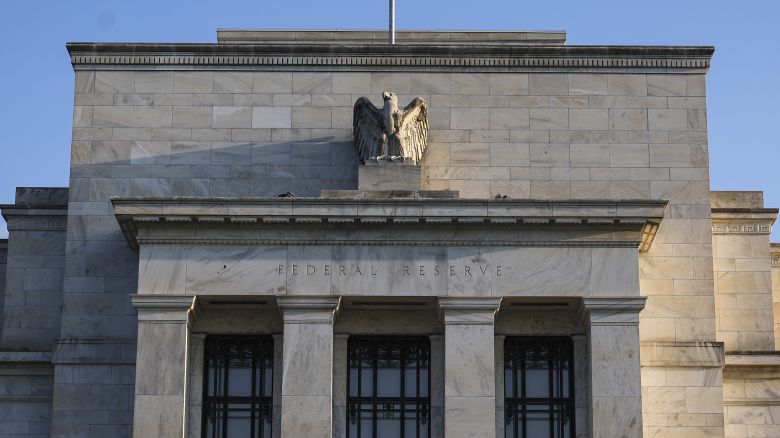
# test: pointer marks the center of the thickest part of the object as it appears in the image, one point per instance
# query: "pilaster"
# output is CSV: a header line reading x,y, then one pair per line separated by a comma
x,y
162,370
469,371
615,408
307,365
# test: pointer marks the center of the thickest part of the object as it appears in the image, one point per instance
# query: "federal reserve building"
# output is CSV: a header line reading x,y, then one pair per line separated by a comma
x,y
316,234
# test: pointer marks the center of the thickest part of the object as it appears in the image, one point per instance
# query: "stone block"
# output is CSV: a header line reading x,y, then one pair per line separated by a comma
x,y
469,118
272,82
114,82
232,117
193,82
470,83
271,117
192,116
391,176
627,85
545,84
515,84
154,82
233,82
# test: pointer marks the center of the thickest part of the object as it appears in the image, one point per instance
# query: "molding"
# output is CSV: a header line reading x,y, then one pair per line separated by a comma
x,y
334,56
164,309
612,311
742,228
308,310
743,220
175,221
468,310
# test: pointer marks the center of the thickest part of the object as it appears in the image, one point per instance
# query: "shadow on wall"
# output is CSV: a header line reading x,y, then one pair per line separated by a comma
x,y
174,168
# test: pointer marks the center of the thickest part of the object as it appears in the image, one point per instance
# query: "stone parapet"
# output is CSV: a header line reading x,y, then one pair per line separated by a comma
x,y
379,37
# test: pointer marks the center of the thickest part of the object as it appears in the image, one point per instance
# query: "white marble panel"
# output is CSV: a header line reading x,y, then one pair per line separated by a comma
x,y
614,355
469,359
158,416
252,270
308,270
471,273
400,271
162,269
306,416
308,350
470,417
542,271
614,272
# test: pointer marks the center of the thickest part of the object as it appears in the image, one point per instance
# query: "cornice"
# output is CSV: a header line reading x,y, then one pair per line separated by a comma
x,y
743,220
402,57
160,220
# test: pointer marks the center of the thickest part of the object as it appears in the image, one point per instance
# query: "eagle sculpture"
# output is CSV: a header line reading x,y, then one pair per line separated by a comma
x,y
390,133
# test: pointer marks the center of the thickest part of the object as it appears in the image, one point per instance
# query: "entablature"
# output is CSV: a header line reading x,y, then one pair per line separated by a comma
x,y
389,222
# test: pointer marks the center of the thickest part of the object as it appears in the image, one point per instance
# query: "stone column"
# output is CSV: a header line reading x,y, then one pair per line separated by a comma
x,y
307,362
340,345
469,367
615,408
162,371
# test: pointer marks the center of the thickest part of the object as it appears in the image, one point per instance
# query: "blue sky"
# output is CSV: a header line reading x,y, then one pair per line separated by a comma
x,y
36,79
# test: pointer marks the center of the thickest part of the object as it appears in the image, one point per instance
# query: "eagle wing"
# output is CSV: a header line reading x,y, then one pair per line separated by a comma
x,y
413,131
367,129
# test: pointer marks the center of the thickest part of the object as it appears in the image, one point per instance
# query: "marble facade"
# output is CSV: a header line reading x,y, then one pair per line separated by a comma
x,y
605,231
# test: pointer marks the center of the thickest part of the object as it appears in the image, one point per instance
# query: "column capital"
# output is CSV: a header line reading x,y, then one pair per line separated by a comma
x,y
308,310
164,308
612,310
468,310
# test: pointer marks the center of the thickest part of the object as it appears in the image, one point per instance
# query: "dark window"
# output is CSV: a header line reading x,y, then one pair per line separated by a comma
x,y
237,387
538,387
388,387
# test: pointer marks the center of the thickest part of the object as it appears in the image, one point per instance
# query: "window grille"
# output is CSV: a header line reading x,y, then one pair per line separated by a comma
x,y
538,387
388,387
238,387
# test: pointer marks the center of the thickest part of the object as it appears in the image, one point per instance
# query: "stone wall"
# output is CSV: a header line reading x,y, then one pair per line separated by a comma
x,y
742,266
242,133
775,254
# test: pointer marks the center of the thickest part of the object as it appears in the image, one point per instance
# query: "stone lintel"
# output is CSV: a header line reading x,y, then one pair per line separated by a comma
x,y
612,311
468,310
164,308
308,310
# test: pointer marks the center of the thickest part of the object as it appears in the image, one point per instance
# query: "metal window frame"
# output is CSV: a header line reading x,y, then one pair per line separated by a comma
x,y
355,403
516,405
260,349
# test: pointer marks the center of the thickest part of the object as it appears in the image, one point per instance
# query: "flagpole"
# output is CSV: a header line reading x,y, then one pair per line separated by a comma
x,y
392,23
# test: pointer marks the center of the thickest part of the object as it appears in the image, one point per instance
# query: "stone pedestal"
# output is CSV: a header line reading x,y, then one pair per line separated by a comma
x,y
615,408
307,366
389,176
162,371
469,385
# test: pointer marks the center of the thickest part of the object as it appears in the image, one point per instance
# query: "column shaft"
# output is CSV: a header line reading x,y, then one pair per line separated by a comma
x,y
307,366
161,378
615,373
469,372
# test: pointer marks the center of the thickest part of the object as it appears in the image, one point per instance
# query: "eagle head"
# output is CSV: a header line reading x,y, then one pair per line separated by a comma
x,y
389,95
